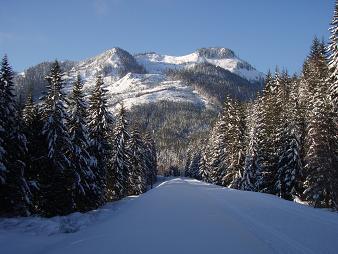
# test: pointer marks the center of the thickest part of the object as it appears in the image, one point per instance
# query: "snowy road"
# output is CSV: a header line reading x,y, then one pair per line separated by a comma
x,y
187,216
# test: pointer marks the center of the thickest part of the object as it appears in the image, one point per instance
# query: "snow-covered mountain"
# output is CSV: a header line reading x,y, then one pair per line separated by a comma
x,y
144,78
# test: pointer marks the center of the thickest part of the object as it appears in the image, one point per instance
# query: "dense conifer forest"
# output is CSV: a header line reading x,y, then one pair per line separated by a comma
x,y
285,142
68,154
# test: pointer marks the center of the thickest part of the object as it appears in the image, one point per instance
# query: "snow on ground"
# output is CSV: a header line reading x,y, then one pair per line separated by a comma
x,y
136,89
183,216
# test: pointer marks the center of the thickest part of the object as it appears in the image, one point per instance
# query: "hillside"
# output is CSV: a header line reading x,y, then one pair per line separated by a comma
x,y
180,216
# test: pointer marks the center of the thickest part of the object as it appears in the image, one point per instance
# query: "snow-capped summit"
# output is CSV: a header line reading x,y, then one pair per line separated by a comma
x,y
221,57
216,53
113,62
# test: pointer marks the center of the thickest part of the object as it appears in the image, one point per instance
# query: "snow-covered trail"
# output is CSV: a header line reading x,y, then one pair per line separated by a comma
x,y
187,216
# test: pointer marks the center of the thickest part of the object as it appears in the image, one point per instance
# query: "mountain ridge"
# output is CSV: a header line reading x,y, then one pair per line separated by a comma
x,y
117,64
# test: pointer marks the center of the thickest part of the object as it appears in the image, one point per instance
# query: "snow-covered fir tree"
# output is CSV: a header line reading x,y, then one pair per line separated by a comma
x,y
194,167
333,81
187,162
151,158
289,161
267,135
320,154
203,168
85,186
137,175
100,125
121,158
15,196
58,193
320,159
236,143
35,158
224,155
218,152
251,178
333,62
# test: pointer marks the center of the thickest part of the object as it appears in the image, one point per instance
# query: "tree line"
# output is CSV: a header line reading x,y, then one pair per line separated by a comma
x,y
65,154
285,142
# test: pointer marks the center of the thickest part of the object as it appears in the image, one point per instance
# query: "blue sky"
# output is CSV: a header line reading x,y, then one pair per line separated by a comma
x,y
266,33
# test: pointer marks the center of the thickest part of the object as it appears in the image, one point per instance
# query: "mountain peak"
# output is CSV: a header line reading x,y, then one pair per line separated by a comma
x,y
115,50
112,62
216,53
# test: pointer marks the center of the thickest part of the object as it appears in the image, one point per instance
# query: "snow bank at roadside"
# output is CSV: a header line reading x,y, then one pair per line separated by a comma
x,y
71,223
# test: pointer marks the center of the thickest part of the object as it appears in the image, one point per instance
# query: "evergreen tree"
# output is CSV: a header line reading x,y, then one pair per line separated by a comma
x,y
333,79
15,196
136,179
289,165
320,157
268,124
120,162
333,62
187,163
203,168
237,144
288,178
150,159
35,158
251,179
218,152
227,145
58,193
85,189
100,121
194,167
260,159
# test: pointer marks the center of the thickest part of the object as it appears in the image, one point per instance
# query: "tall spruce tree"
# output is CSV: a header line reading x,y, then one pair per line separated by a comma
x,y
265,134
289,160
229,133
320,157
251,179
58,193
333,80
100,122
333,62
273,101
136,178
203,168
151,158
187,162
15,196
237,143
82,161
35,158
194,167
218,151
121,158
